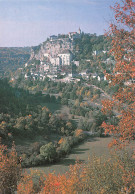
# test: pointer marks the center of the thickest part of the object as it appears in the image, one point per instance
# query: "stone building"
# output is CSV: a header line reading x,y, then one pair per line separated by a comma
x,y
66,57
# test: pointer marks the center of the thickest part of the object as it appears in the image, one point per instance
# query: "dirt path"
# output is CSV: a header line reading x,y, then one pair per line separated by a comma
x,y
105,94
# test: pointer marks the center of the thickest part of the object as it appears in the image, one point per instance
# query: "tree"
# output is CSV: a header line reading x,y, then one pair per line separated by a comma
x,y
10,170
122,34
20,125
65,146
64,101
48,151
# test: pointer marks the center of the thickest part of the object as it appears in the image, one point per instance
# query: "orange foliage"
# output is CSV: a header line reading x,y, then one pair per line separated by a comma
x,y
68,183
114,175
81,104
61,140
31,182
101,176
122,34
86,104
78,132
10,170
94,98
27,187
88,94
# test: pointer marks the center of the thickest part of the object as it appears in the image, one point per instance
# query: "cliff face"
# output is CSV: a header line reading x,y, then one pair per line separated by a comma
x,y
51,48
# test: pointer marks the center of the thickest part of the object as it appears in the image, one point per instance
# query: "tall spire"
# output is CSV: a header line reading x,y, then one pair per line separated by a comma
x,y
79,31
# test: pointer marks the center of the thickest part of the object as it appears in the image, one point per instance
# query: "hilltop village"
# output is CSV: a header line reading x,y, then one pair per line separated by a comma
x,y
56,58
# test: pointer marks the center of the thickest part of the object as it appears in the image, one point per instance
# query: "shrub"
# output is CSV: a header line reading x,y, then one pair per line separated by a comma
x,y
31,182
26,163
79,134
40,159
99,175
48,151
61,140
36,147
75,140
65,146
10,170
109,174
33,159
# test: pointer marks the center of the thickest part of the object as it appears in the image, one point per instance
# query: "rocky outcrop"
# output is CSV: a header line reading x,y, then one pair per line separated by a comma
x,y
51,48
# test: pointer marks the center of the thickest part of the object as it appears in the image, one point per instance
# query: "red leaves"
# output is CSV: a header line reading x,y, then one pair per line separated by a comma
x,y
9,170
107,106
123,42
96,176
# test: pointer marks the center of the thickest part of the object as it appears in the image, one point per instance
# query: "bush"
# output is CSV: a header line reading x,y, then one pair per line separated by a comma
x,y
40,159
36,147
26,162
75,140
10,170
48,151
33,160
99,175
79,134
65,146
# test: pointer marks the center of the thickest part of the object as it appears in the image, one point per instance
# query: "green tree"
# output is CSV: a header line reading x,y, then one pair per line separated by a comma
x,y
48,151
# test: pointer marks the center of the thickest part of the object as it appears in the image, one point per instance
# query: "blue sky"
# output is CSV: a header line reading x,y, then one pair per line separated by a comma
x,y
30,22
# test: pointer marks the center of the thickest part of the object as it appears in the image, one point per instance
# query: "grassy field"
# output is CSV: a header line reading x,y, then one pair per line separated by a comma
x,y
24,145
52,106
93,146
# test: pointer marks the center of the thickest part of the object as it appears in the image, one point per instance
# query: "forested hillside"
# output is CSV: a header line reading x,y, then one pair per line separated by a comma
x,y
102,107
12,58
14,100
85,45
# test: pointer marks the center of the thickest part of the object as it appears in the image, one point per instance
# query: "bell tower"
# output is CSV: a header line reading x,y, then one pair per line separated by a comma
x,y
79,31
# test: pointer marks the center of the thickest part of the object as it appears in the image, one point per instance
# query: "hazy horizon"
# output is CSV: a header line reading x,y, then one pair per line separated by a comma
x,y
29,23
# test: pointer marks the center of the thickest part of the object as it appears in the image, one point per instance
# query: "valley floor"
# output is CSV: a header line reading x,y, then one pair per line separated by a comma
x,y
93,146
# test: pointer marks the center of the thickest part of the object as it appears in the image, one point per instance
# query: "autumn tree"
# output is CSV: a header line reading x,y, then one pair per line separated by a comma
x,y
10,170
122,33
